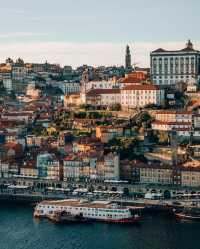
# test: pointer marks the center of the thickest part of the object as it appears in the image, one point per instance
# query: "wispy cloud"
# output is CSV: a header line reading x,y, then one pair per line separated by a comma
x,y
13,11
21,34
83,53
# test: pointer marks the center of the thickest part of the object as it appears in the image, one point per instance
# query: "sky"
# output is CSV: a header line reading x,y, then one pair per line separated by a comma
x,y
76,32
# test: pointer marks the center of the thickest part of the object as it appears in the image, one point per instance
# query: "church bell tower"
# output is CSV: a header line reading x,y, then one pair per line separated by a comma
x,y
128,58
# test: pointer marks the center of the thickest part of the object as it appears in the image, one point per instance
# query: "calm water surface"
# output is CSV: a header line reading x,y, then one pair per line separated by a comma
x,y
18,230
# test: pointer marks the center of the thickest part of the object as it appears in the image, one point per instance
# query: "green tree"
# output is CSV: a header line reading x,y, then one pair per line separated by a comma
x,y
115,107
94,115
143,117
123,146
163,137
81,115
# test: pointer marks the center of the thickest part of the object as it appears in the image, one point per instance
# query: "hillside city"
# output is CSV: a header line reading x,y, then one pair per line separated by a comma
x,y
122,125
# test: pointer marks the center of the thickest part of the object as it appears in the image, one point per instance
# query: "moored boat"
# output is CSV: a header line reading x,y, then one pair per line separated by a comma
x,y
192,214
97,211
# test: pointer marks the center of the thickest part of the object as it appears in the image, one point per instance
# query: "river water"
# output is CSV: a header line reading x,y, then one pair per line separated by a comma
x,y
18,230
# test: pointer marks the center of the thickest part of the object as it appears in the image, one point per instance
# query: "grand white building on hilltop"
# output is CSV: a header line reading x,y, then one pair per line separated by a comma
x,y
172,67
133,96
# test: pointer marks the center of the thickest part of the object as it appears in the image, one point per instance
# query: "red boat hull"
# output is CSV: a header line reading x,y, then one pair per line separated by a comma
x,y
182,216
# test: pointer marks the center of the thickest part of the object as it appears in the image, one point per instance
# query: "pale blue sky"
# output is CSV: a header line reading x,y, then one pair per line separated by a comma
x,y
76,31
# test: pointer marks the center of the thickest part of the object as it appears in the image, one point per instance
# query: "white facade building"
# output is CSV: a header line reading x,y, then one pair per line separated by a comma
x,y
68,87
140,95
7,83
171,67
71,168
19,72
174,116
104,97
131,96
169,126
103,84
32,91
111,167
168,120
179,121
54,170
5,76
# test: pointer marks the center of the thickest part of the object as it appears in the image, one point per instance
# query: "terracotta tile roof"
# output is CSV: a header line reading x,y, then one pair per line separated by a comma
x,y
182,129
173,112
140,164
15,146
103,91
17,114
87,140
190,168
73,94
6,133
132,80
141,87
158,122
71,158
108,127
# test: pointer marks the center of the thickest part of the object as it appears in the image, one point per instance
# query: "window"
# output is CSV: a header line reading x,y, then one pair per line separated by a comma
x,y
171,65
166,65
187,65
176,65
192,65
154,65
160,65
182,65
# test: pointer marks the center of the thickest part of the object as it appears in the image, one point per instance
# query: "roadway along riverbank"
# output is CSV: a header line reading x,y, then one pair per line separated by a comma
x,y
35,197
